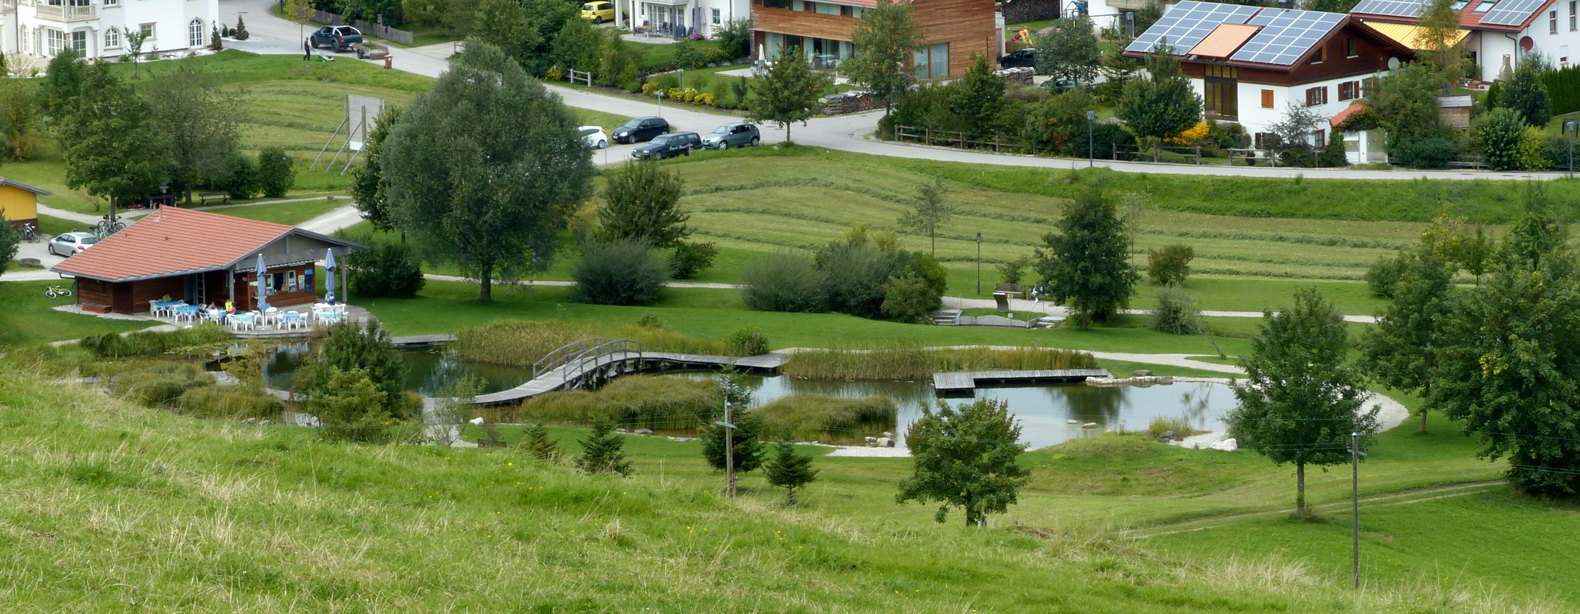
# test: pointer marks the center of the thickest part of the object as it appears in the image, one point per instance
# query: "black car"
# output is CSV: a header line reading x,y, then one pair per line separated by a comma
x,y
668,146
1022,58
640,129
338,38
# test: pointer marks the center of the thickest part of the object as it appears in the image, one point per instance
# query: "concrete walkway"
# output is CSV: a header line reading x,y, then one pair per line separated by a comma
x,y
850,133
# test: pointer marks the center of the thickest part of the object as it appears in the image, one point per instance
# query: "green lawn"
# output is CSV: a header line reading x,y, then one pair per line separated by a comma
x,y
28,317
285,213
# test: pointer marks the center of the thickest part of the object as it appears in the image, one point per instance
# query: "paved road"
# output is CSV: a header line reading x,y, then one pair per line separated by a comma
x,y
846,133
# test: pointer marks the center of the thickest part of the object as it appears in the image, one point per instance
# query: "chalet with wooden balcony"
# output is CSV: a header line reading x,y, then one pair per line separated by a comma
x,y
952,30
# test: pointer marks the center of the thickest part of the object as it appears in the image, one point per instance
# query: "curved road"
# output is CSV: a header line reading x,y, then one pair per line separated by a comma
x,y
273,35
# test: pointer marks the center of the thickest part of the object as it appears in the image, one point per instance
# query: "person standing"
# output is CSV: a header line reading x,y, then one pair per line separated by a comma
x,y
307,50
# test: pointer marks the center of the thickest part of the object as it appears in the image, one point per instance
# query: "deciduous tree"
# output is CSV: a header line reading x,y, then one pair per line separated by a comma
x,y
642,203
1087,261
965,457
1524,90
930,213
1068,50
112,148
62,86
10,240
485,168
1300,402
1161,104
886,40
1402,349
1441,41
507,25
367,181
977,98
199,124
787,92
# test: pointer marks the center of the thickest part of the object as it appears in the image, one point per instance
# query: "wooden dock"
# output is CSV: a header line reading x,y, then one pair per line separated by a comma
x,y
964,382
421,341
560,378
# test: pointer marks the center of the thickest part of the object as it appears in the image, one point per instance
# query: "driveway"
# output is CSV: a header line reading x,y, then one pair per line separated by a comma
x,y
845,133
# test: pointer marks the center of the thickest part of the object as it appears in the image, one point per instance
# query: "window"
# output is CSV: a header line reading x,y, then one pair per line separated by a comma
x,y
1319,138
110,3
1349,90
1571,15
1267,99
1222,91
932,62
847,11
56,41
1225,72
1260,139
1316,96
112,38
1352,47
1316,58
79,42
716,17
147,29
1483,7
22,34
1552,22
195,33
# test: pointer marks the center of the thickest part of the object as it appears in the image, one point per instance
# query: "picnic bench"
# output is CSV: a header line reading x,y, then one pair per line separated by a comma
x,y
222,197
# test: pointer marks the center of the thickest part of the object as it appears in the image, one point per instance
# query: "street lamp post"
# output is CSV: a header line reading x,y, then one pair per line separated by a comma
x,y
660,103
1091,116
1569,131
979,264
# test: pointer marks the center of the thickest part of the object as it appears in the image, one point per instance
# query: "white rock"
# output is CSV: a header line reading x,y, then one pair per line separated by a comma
x,y
885,442
1227,445
1071,422
1089,425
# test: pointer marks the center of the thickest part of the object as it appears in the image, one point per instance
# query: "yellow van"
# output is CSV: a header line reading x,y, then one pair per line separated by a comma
x,y
598,12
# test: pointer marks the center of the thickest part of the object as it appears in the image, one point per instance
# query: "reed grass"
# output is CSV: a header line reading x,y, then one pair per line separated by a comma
x,y
521,343
633,401
828,419
191,340
913,363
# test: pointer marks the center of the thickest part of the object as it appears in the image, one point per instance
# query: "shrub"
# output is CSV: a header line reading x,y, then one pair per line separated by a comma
x,y
806,417
633,401
909,299
276,174
620,272
912,363
199,339
854,276
352,407
1384,275
687,259
747,342
688,56
1532,153
240,33
734,39
241,180
1191,135
717,55
1170,265
228,403
160,385
1010,271
783,282
554,73
1176,313
385,269
348,347
648,87
1498,137
1428,152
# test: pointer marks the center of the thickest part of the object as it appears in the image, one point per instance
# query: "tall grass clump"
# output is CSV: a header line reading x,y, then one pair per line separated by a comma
x,y
912,363
521,343
633,401
159,385
804,417
228,403
152,343
1178,425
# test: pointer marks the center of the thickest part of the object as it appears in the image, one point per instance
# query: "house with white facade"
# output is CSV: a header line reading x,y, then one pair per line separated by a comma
x,y
679,17
97,28
1498,32
1250,63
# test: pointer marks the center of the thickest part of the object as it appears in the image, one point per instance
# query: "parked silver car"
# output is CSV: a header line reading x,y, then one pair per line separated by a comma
x,y
68,243
738,134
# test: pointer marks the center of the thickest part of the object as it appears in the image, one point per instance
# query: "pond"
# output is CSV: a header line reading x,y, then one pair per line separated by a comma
x,y
1049,414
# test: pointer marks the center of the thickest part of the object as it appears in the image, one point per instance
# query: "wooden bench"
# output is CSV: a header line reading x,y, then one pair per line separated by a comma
x,y
222,197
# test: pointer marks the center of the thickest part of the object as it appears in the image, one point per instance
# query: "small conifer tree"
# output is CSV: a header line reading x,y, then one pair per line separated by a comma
x,y
602,451
789,470
538,443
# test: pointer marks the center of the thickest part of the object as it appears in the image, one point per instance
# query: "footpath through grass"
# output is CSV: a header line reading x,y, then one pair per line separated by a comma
x,y
176,513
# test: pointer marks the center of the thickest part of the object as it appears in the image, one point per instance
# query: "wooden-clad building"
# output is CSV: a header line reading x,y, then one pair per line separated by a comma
x,y
19,202
201,258
953,31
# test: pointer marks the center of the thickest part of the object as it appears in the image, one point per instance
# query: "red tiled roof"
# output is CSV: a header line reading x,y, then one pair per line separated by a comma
x,y
172,241
1338,118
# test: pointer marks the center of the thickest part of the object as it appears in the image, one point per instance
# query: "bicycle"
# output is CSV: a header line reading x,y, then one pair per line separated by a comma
x,y
56,292
106,228
30,233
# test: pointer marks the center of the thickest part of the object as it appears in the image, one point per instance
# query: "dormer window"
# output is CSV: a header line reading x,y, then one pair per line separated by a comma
x,y
1484,7
1317,56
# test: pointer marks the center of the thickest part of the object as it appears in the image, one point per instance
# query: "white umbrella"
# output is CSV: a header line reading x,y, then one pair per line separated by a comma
x,y
329,269
263,293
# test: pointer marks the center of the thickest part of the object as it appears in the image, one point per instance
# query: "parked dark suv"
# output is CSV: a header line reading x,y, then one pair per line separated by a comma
x,y
640,129
338,38
668,146
1020,58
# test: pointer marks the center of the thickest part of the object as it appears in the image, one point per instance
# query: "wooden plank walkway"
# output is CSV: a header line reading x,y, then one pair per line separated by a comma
x,y
964,382
557,379
421,340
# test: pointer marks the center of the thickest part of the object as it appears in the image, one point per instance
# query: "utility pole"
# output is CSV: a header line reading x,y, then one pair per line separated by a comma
x,y
979,264
729,444
1355,506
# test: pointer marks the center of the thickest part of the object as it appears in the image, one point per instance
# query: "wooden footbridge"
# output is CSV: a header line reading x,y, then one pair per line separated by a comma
x,y
591,362
965,382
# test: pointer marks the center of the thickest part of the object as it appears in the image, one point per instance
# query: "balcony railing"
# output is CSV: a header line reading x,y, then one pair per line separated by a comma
x,y
57,12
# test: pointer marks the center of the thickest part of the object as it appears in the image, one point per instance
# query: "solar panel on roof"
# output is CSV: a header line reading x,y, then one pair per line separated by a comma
x,y
1286,35
1392,8
1511,12
1183,26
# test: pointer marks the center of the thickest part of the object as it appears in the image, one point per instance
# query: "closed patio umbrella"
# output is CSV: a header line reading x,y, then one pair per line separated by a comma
x,y
329,269
263,293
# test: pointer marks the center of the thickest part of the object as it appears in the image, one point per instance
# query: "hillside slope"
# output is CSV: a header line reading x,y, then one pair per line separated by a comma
x,y
112,507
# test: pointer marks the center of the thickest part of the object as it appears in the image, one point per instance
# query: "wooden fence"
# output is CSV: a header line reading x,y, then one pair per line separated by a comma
x,y
385,32
962,140
580,76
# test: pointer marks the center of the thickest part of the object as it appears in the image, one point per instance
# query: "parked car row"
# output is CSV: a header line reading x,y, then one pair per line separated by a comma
x,y
661,143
